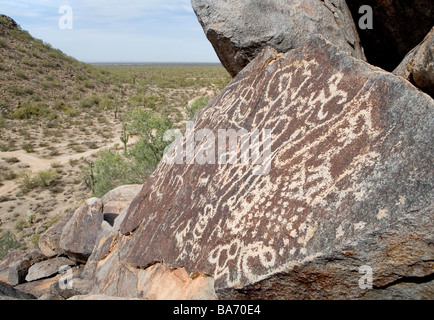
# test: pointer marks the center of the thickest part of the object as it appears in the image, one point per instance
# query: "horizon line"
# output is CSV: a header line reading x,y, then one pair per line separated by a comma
x,y
150,63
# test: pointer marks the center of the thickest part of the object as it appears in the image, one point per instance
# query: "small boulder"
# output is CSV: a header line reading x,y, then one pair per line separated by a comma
x,y
47,268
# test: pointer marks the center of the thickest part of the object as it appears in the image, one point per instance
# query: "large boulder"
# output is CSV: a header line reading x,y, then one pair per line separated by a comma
x,y
418,65
49,241
398,26
346,187
80,232
240,30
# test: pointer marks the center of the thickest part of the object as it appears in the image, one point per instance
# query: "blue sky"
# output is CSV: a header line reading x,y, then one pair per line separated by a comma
x,y
117,31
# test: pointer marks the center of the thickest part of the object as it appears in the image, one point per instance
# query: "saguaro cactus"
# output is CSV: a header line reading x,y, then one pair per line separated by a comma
x,y
125,137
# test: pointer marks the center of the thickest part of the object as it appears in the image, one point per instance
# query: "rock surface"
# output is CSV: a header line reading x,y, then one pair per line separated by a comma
x,y
49,242
398,26
418,66
116,200
240,30
7,292
47,268
20,264
350,184
39,288
79,234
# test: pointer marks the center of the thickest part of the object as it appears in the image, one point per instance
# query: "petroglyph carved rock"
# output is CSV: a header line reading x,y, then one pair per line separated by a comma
x,y
350,183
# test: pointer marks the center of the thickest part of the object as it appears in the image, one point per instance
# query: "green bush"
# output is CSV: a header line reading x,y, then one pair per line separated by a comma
x,y
90,102
110,171
29,110
3,43
195,106
8,242
113,169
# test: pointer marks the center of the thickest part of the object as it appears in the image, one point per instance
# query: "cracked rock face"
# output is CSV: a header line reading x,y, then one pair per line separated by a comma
x,y
240,30
349,187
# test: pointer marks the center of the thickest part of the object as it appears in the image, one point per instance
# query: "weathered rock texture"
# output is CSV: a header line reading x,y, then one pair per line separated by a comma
x,y
7,292
351,184
399,25
47,268
418,65
79,234
19,264
49,242
240,30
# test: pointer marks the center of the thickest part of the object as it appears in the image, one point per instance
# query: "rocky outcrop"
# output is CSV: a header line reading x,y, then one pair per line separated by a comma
x,y
349,184
418,65
42,273
398,26
240,30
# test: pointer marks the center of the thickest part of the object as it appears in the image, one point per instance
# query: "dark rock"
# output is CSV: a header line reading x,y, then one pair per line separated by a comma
x,y
7,292
399,26
240,30
350,183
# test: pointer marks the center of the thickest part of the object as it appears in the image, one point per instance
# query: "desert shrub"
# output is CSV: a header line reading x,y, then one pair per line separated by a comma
x,y
90,102
18,91
8,242
28,147
113,169
29,110
20,225
48,63
45,178
195,106
148,150
110,171
89,84
29,63
11,160
21,75
3,43
26,181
